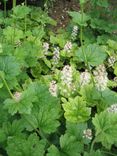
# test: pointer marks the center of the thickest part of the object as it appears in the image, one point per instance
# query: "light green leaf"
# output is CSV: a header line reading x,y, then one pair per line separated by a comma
x,y
112,44
92,52
83,1
76,110
78,18
106,133
21,11
13,34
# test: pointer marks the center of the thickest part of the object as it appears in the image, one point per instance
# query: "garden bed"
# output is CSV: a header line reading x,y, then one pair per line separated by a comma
x,y
58,79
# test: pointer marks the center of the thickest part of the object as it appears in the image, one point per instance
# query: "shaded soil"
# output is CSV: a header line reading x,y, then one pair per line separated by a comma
x,y
59,12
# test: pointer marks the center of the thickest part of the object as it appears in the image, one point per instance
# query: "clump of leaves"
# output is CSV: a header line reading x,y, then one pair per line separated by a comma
x,y
49,101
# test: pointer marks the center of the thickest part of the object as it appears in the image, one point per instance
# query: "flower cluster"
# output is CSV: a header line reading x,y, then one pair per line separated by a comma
x,y
17,96
100,77
18,43
45,48
66,76
115,79
87,133
53,88
74,32
85,78
56,55
68,46
112,108
112,60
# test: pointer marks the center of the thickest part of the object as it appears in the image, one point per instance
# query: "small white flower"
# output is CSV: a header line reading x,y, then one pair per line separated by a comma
x,y
100,77
74,32
112,60
53,88
87,133
112,108
66,75
68,46
17,96
18,43
115,79
45,47
85,78
56,55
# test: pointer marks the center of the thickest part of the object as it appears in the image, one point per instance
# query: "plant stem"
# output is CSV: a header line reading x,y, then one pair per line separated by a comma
x,y
7,87
106,152
92,144
82,46
14,4
25,19
5,8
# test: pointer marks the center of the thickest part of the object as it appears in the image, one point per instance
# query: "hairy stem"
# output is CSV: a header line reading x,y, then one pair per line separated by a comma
x,y
25,19
14,3
82,47
5,8
92,144
7,87
111,154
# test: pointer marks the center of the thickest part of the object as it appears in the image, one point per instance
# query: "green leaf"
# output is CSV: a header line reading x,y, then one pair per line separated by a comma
x,y
47,62
45,112
9,66
112,44
76,130
78,18
83,1
13,34
115,69
92,52
22,53
106,133
101,100
2,136
1,49
42,17
21,11
22,146
53,151
4,116
97,23
101,3
11,129
23,105
70,146
76,110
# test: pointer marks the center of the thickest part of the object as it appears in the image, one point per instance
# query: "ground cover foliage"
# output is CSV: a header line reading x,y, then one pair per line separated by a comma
x,y
58,90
